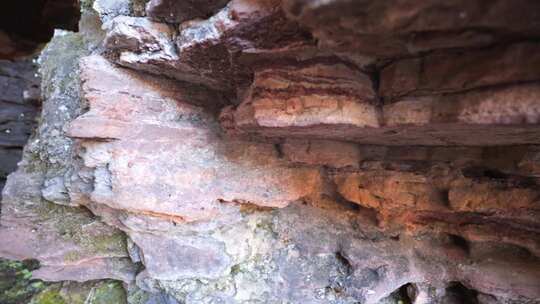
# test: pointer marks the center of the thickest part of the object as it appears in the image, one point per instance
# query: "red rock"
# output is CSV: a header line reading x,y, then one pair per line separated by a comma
x,y
444,71
511,105
154,129
321,152
304,97
394,28
469,119
207,51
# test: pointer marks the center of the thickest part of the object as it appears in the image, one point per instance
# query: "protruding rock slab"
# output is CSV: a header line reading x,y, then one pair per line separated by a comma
x,y
206,51
394,28
167,158
318,94
497,116
454,71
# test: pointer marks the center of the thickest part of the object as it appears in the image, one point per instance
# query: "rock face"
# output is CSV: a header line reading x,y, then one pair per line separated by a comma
x,y
18,107
270,151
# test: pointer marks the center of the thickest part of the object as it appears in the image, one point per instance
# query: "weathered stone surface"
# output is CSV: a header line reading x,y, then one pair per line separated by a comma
x,y
141,41
303,97
489,201
208,51
16,77
394,28
17,122
322,152
179,11
514,105
70,244
96,292
196,181
108,9
448,120
530,163
424,198
434,210
441,72
178,258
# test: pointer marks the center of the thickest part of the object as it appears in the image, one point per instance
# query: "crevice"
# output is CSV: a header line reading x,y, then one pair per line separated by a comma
x,y
279,150
459,242
342,259
444,197
30,23
481,173
456,293
405,294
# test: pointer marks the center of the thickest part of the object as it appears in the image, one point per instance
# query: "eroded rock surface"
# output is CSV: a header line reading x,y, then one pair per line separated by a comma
x,y
70,244
270,151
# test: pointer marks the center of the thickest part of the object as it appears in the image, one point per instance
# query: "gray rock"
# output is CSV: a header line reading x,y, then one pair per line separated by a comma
x,y
55,191
69,243
172,258
108,9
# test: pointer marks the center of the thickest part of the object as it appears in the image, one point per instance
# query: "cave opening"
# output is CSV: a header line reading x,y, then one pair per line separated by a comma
x,y
25,25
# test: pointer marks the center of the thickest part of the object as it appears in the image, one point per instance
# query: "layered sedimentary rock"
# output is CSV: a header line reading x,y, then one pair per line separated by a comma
x,y
270,151
18,107
398,28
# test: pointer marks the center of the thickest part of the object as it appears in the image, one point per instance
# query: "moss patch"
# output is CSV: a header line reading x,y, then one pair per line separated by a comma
x,y
16,283
84,229
94,292
49,296
108,292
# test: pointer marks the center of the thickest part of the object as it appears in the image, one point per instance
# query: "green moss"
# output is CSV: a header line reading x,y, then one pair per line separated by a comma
x,y
108,292
96,238
138,7
95,292
49,296
137,296
16,284
72,256
116,242
86,5
235,269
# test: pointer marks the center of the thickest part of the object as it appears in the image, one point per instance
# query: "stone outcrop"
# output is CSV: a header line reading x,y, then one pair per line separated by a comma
x,y
266,151
70,243
399,28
